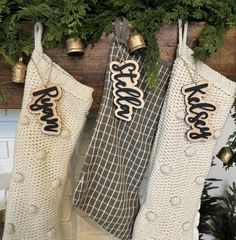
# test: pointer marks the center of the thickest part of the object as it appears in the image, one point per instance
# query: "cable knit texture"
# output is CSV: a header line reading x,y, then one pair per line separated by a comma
x,y
41,161
176,174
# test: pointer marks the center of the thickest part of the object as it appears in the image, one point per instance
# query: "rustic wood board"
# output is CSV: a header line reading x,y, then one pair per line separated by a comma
x,y
90,69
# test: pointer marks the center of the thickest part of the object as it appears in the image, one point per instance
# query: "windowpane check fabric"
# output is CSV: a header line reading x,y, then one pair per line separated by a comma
x,y
119,153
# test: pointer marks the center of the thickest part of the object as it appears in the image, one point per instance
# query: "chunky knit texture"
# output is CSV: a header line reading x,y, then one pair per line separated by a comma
x,y
178,167
41,161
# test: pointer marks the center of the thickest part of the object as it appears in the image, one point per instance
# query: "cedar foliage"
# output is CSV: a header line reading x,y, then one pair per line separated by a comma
x,y
90,18
232,141
218,213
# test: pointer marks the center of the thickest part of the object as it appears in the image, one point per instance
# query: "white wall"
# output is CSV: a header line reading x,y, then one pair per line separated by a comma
x,y
7,140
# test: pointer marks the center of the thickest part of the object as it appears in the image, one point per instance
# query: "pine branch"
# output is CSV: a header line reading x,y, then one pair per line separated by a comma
x,y
218,216
212,39
232,142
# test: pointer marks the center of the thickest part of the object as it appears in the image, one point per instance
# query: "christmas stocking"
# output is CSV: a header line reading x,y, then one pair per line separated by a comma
x,y
196,106
120,147
53,113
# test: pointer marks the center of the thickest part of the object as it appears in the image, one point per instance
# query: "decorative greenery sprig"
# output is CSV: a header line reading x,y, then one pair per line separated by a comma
x,y
209,206
218,216
90,18
2,95
232,141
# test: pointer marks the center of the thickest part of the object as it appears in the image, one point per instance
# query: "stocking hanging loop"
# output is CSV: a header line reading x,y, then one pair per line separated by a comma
x,y
38,33
183,33
121,30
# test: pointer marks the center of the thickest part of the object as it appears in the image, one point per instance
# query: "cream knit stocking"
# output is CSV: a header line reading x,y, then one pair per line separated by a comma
x,y
178,166
41,161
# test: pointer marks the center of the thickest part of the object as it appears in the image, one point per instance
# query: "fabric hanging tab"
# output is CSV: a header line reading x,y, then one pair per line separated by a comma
x,y
182,33
38,34
121,30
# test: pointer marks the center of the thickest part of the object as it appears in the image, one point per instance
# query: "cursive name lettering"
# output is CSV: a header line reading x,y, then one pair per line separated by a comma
x,y
198,111
44,103
126,95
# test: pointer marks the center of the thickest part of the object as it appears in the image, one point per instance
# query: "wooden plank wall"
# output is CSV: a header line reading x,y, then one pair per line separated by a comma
x,y
90,69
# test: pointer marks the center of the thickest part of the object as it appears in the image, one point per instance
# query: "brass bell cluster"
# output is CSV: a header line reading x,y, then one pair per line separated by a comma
x,y
19,72
136,41
226,155
75,46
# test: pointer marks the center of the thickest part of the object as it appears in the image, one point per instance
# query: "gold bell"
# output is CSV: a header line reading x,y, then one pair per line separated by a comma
x,y
75,47
136,42
225,155
19,72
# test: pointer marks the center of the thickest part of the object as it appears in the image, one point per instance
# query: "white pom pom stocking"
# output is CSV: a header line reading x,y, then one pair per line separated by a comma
x,y
179,166
41,160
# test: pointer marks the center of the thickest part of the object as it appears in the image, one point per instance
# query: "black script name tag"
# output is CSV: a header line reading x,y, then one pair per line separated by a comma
x,y
199,110
127,96
44,103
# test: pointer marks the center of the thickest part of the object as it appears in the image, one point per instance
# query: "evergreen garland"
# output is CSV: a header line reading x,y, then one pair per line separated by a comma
x,y
232,141
218,214
90,18
209,207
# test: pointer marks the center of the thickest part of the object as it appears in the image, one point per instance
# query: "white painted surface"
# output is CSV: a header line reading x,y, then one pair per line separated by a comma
x,y
8,120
